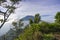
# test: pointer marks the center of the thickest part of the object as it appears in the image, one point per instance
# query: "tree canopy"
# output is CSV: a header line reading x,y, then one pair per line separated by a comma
x,y
37,18
57,17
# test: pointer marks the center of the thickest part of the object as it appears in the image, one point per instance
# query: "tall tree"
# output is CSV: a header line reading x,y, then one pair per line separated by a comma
x,y
57,17
18,26
31,21
10,9
37,18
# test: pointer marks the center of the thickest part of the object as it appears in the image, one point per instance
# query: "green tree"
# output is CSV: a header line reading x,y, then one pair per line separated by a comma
x,y
57,17
56,27
10,9
44,27
14,24
37,18
17,25
31,21
31,33
1,20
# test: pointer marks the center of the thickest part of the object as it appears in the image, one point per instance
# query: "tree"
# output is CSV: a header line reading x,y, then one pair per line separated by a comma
x,y
1,20
57,17
31,33
10,9
44,27
14,24
17,25
37,18
31,21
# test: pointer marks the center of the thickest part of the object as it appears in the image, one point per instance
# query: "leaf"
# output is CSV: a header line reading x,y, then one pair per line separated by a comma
x,y
15,1
2,0
14,23
12,9
1,20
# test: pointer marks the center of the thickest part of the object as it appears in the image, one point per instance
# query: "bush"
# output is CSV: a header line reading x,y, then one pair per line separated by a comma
x,y
48,37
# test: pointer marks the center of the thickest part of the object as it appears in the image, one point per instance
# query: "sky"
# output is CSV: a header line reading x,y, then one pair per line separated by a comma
x,y
32,7
43,7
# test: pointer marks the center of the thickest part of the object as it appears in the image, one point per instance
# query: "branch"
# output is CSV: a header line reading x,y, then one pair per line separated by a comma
x,y
7,16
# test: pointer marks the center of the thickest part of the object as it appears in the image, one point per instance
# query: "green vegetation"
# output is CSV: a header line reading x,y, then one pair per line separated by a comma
x,y
40,30
36,30
57,17
37,18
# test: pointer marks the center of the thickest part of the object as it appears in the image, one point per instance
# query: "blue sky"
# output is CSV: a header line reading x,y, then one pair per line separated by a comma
x,y
44,7
31,7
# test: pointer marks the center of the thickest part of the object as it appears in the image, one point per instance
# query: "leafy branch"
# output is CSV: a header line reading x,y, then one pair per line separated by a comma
x,y
10,10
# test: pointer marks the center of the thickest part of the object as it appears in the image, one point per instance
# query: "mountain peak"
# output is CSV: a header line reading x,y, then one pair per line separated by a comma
x,y
27,18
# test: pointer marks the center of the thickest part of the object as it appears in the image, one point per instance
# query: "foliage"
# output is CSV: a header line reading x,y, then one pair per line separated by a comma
x,y
40,30
15,1
17,28
31,21
54,27
34,32
49,27
1,1
1,20
37,18
49,37
31,33
14,23
44,27
57,17
17,24
10,9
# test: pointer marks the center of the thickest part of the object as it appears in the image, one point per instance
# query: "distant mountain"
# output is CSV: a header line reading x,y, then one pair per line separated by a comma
x,y
45,15
27,18
32,17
